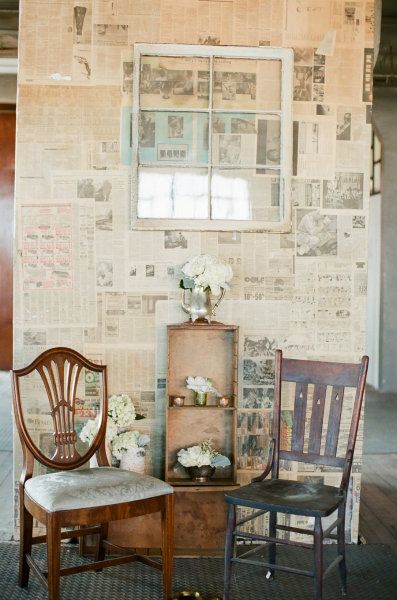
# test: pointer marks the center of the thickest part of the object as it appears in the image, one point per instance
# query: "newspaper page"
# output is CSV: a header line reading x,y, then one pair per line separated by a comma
x,y
57,250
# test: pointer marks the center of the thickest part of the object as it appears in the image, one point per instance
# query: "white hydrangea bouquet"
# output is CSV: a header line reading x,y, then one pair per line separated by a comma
x,y
127,440
208,272
201,460
121,415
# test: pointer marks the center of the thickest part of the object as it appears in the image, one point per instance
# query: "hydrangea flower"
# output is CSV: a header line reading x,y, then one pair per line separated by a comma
x,y
208,272
129,439
201,384
121,414
201,455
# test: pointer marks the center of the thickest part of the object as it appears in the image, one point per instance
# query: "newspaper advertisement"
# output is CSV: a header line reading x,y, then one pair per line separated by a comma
x,y
57,249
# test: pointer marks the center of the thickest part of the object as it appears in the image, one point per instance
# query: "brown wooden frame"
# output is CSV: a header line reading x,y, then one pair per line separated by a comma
x,y
321,374
201,339
59,369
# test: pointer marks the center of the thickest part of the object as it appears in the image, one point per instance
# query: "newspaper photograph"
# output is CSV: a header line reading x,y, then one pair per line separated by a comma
x,y
268,148
82,64
247,83
343,125
252,451
344,192
253,423
173,81
106,34
257,397
82,22
303,80
173,137
258,372
306,192
316,234
255,345
102,186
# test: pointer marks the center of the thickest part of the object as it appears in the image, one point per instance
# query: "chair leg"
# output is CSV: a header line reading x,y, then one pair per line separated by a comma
x,y
231,524
318,559
25,543
100,550
342,549
53,556
167,533
272,546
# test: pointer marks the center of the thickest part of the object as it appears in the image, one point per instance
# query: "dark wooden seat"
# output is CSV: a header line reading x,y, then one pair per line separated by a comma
x,y
86,499
297,497
308,444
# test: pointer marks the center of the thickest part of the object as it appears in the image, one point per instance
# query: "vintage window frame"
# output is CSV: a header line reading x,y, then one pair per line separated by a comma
x,y
286,56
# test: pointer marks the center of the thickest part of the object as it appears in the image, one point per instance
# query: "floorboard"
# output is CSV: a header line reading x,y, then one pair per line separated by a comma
x,y
378,509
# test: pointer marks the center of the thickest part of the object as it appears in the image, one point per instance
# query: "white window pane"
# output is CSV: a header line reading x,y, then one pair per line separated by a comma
x,y
172,193
247,83
169,82
243,195
173,137
245,139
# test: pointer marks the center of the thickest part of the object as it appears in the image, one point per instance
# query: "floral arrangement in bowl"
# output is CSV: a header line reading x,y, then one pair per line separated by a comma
x,y
202,460
206,271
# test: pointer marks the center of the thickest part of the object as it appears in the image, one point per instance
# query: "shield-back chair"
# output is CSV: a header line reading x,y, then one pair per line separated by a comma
x,y
309,445
70,496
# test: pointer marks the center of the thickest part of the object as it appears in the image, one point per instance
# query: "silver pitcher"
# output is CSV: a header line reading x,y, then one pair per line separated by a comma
x,y
200,306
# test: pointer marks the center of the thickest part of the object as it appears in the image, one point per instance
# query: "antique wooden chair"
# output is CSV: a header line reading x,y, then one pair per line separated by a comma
x,y
276,495
85,498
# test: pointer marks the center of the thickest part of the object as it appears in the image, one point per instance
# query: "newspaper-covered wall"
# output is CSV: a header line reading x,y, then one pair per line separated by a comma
x,y
84,279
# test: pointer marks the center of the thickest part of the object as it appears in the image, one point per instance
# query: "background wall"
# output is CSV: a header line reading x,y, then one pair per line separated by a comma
x,y
304,291
385,113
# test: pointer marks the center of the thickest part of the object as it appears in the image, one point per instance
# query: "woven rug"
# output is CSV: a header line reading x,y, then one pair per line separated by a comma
x,y
372,576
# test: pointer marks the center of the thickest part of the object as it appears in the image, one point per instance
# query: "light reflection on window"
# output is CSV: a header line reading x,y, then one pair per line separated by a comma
x,y
177,195
230,198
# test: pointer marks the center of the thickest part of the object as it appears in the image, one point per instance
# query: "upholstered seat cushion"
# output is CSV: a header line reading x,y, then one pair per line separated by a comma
x,y
85,488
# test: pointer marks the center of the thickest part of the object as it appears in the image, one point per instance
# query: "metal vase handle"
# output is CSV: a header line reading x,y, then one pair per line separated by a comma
x,y
217,303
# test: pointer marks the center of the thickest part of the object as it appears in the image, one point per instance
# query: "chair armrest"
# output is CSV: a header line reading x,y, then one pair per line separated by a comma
x,y
269,465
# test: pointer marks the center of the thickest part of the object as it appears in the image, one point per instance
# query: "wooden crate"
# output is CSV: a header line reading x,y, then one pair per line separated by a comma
x,y
210,351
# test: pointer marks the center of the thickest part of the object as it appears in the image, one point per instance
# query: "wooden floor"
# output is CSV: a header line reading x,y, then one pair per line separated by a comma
x,y
378,510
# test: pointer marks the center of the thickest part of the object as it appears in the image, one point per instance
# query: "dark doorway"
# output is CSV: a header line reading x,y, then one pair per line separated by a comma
x,y
7,172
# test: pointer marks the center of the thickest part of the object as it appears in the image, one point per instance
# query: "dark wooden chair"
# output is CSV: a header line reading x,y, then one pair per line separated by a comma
x,y
276,495
84,498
